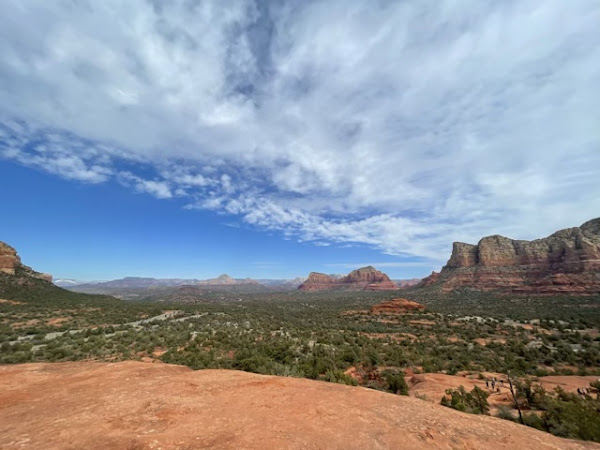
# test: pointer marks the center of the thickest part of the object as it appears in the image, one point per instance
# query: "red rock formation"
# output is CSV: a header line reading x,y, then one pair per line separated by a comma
x,y
10,263
566,262
9,260
430,280
366,278
396,306
318,282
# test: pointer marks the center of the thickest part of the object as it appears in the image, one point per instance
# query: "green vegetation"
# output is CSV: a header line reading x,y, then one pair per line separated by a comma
x,y
474,402
564,414
575,416
326,336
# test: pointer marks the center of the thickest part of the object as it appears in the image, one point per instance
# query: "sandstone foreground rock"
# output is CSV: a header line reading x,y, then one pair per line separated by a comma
x,y
566,262
365,278
135,405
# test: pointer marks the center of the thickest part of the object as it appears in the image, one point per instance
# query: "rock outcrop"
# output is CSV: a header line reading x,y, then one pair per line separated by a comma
x,y
10,263
365,278
136,405
396,306
566,262
9,260
318,282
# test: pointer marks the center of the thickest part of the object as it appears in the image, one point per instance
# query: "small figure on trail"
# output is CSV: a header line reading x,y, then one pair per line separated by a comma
x,y
493,384
487,384
498,390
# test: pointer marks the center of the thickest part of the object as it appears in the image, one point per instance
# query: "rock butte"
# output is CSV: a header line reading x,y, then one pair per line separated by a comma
x,y
10,263
566,262
396,306
136,405
366,278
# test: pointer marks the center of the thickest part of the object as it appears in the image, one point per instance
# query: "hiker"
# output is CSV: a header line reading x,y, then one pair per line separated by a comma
x,y
487,384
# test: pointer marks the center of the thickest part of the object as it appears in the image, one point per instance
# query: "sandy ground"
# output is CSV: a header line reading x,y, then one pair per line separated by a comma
x,y
135,405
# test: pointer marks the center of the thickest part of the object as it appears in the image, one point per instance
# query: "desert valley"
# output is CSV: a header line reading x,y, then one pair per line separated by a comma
x,y
311,225
508,331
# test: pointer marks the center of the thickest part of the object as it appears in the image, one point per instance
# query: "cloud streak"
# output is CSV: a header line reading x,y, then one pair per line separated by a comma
x,y
403,126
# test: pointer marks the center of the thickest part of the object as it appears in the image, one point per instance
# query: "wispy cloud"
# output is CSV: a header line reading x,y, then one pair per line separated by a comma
x,y
403,126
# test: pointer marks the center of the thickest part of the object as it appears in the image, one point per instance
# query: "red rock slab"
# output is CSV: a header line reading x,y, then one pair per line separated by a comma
x,y
135,405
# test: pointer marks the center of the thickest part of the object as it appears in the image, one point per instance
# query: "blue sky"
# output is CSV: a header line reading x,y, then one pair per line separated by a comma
x,y
269,139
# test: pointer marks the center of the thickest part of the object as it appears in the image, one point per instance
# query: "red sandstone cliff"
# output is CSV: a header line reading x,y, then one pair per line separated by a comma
x,y
567,261
9,260
365,278
10,264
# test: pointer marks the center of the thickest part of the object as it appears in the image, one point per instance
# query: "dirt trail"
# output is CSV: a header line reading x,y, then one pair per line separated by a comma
x,y
134,405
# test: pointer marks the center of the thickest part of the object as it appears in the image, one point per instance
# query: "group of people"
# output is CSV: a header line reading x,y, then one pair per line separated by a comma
x,y
493,382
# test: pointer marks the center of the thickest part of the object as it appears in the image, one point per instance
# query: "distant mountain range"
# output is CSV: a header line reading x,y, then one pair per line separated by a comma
x,y
175,288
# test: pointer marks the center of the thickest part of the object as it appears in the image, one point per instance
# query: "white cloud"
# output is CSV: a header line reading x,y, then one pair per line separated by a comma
x,y
157,188
405,125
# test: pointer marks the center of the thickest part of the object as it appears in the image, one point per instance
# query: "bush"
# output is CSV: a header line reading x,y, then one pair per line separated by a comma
x,y
397,383
474,402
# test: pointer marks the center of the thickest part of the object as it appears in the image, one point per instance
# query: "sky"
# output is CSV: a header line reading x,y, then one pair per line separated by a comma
x,y
272,138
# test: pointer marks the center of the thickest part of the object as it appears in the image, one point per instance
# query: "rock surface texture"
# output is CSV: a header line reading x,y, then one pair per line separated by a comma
x,y
135,405
396,306
566,262
10,263
365,278
9,260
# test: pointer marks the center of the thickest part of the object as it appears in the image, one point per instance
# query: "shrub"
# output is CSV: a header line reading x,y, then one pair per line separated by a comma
x,y
474,402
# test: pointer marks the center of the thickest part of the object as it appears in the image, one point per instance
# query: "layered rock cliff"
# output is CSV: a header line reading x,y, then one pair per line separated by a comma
x,y
567,261
10,263
365,278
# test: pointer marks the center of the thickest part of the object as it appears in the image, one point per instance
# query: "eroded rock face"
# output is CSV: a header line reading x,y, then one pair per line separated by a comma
x,y
365,278
9,260
566,262
396,306
318,282
10,263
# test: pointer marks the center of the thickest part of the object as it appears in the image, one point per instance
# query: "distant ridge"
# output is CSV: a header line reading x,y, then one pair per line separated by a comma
x,y
147,282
